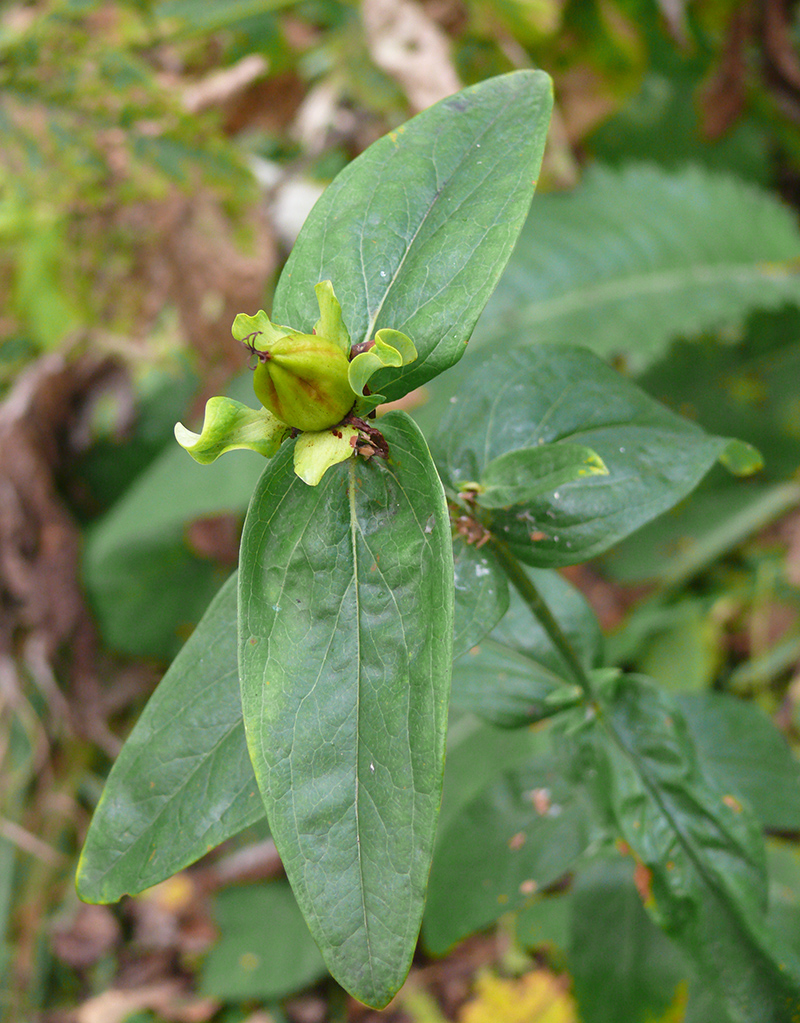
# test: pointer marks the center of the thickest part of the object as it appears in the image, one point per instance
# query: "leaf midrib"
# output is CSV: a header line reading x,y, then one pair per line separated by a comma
x,y
440,190
655,794
657,282
351,495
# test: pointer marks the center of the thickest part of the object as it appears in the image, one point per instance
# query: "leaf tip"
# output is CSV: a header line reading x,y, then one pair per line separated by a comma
x,y
741,458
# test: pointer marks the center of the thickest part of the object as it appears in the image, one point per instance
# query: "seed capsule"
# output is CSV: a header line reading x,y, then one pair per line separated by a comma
x,y
303,380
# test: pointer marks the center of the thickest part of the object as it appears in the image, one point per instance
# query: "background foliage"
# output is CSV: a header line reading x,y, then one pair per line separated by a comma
x,y
156,161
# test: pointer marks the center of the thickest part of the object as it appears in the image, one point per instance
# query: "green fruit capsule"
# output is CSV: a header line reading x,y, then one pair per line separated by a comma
x,y
303,380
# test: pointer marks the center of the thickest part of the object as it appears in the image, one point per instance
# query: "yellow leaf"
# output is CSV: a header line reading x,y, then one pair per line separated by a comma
x,y
539,996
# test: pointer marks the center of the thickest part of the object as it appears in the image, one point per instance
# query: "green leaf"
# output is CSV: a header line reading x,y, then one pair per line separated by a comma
x,y
481,594
742,752
183,782
783,860
174,490
519,476
148,594
198,17
521,833
523,397
633,259
264,949
228,425
702,849
415,232
515,675
477,754
741,458
346,624
545,921
247,328
623,966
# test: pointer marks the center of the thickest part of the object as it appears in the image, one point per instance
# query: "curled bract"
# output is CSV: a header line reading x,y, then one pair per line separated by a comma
x,y
312,384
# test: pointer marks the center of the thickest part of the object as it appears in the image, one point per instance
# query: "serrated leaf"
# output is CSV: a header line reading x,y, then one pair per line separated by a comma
x,y
703,852
174,793
632,259
415,232
511,677
522,397
519,476
346,624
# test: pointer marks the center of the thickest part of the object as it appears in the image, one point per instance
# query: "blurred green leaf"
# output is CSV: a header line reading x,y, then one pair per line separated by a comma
x,y
742,752
783,860
198,17
545,921
750,388
144,582
265,949
477,754
685,652
518,835
623,967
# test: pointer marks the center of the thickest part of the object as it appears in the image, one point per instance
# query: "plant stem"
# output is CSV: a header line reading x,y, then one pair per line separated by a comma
x,y
541,612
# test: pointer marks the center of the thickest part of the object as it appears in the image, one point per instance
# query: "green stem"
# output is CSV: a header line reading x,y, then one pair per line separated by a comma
x,y
522,584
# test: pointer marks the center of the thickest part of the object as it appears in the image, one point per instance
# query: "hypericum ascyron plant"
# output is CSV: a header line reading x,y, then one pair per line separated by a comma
x,y
321,672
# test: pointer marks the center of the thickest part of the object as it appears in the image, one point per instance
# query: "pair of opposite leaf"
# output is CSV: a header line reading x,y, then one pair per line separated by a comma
x,y
313,384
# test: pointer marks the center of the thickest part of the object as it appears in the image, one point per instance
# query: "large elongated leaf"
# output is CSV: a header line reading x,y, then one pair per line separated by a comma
x,y
632,259
415,232
703,851
346,625
176,792
523,396
509,678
